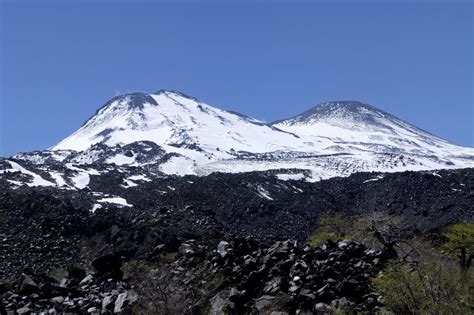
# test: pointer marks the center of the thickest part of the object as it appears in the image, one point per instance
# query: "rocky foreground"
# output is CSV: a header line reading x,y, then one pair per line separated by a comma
x,y
210,244
243,276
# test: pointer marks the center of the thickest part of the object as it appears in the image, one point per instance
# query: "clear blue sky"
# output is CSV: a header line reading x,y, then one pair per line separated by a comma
x,y
61,60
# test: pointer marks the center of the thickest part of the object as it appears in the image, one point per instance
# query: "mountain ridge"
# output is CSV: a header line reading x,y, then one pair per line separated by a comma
x,y
171,133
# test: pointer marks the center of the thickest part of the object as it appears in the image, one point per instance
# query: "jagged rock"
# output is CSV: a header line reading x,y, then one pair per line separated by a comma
x,y
186,249
307,294
293,289
29,286
23,310
76,273
342,304
223,248
120,302
58,299
108,266
64,283
219,304
263,302
86,280
108,303
321,308
273,286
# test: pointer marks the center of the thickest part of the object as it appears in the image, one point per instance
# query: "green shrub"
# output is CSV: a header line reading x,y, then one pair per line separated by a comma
x,y
433,286
135,268
318,238
363,228
58,274
460,238
460,235
170,257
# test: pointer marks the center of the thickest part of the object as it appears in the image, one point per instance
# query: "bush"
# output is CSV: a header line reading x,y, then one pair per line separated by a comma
x,y
318,238
460,237
429,288
170,257
58,274
426,280
135,268
376,229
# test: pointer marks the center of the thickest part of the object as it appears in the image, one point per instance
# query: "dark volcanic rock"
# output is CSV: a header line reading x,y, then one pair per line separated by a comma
x,y
40,293
217,226
108,266
261,277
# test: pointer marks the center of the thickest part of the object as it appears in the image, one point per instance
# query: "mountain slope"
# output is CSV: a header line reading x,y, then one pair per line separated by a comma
x,y
168,132
359,124
177,122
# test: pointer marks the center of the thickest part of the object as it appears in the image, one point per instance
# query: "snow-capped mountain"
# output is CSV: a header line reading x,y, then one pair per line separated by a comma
x,y
168,132
350,124
179,124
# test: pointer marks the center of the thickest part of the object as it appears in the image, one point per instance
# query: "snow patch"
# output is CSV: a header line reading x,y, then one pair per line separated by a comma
x,y
121,159
376,178
81,180
116,200
139,177
37,179
264,193
95,207
298,176
178,166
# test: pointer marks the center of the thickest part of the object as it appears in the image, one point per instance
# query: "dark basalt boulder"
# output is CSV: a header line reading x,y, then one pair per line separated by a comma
x,y
40,293
108,266
29,286
261,277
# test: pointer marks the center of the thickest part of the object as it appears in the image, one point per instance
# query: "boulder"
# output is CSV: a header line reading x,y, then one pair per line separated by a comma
x,y
263,302
76,273
223,248
108,266
321,308
186,249
120,302
219,304
28,286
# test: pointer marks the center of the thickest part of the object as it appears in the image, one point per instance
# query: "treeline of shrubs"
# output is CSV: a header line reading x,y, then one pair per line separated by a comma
x,y
429,273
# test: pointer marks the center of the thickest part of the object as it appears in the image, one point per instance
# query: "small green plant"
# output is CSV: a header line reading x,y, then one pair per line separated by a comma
x,y
318,238
134,268
330,226
428,288
170,257
376,229
58,274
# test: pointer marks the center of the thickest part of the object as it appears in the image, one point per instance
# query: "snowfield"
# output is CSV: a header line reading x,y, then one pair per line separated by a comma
x,y
169,133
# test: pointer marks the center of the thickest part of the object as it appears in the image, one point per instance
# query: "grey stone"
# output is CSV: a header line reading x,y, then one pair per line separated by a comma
x,y
58,299
120,302
88,279
321,307
263,302
218,304
223,248
23,310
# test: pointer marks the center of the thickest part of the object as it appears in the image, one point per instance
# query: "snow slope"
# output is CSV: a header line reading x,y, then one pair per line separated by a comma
x,y
179,124
351,125
169,132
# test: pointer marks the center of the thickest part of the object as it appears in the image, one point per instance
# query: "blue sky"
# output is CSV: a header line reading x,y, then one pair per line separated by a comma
x,y
61,60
